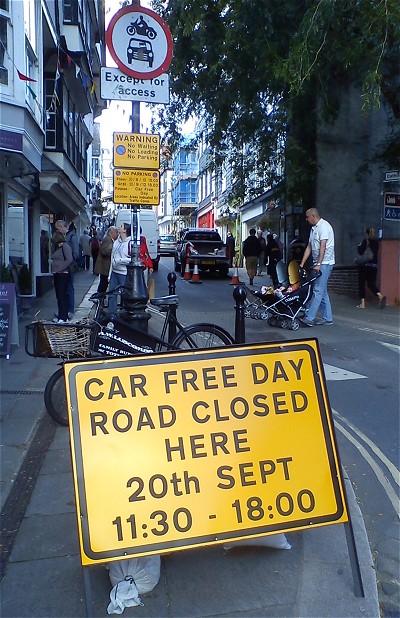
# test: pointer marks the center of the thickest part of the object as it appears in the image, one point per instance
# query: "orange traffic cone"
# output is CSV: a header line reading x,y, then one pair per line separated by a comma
x,y
235,277
196,277
186,274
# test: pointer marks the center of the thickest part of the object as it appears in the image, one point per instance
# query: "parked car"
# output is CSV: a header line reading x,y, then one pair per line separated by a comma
x,y
167,244
203,246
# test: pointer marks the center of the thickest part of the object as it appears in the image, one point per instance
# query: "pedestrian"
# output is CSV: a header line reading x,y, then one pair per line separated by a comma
x,y
60,260
321,246
103,262
230,248
144,256
261,257
367,271
94,248
72,239
273,256
120,258
251,251
84,243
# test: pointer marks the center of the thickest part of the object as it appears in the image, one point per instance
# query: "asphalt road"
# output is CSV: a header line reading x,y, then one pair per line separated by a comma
x,y
362,371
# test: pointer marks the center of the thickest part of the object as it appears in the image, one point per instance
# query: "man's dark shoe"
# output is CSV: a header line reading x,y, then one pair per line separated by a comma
x,y
251,281
306,322
322,322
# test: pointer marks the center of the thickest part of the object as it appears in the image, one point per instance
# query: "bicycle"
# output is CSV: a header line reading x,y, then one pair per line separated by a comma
x,y
88,342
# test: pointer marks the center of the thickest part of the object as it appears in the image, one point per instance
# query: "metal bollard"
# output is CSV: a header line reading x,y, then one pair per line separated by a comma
x,y
171,290
171,283
239,294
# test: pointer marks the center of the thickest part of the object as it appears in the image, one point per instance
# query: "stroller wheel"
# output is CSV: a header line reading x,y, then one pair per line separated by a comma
x,y
247,313
295,324
265,315
273,321
284,323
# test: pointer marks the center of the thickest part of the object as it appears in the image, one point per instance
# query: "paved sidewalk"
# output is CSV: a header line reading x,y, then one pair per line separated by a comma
x,y
43,576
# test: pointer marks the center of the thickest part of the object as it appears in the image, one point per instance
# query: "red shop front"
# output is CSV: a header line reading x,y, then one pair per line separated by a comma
x,y
206,219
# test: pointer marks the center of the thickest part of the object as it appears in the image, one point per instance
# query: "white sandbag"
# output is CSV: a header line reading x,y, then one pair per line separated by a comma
x,y
129,579
275,541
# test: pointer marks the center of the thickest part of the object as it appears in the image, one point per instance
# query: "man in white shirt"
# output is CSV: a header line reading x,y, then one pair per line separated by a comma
x,y
321,246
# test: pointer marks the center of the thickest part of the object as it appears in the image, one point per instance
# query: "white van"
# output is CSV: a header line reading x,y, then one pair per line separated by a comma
x,y
147,220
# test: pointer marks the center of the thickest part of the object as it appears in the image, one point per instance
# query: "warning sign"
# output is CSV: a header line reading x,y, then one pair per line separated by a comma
x,y
136,187
176,450
137,150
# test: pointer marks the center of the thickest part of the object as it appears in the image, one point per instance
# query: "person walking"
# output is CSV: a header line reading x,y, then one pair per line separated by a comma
x,y
94,248
273,255
60,260
103,262
321,246
261,257
84,243
230,248
367,271
251,251
120,258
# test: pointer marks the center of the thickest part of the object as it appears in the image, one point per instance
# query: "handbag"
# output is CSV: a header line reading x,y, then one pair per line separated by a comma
x,y
73,267
367,256
151,287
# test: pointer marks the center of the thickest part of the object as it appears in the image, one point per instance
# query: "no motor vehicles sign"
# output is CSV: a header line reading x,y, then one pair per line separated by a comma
x,y
193,448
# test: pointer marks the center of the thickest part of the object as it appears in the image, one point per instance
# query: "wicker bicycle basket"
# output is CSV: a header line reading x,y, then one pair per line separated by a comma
x,y
47,340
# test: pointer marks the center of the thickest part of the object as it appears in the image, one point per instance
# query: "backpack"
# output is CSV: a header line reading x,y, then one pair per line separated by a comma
x,y
94,244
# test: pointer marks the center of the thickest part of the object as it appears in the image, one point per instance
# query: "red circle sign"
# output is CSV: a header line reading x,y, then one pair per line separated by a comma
x,y
140,42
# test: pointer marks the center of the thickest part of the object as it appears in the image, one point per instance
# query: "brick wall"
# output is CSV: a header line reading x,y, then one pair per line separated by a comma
x,y
344,280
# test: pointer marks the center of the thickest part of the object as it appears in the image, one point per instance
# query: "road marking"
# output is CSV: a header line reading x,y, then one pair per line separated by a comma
x,y
335,373
378,332
391,346
388,489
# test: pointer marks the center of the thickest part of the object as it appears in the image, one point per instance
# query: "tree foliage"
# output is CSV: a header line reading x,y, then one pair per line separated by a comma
x,y
259,68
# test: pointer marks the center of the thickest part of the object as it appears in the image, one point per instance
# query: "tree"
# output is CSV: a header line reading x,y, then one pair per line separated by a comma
x,y
264,71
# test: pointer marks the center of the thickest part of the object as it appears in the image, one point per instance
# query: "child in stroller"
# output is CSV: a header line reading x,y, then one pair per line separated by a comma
x,y
283,305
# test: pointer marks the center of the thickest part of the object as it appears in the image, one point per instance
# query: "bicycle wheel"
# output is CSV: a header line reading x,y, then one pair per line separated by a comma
x,y
202,336
55,398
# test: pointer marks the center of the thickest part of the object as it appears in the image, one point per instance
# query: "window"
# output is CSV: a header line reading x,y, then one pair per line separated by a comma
x,y
70,11
50,114
3,50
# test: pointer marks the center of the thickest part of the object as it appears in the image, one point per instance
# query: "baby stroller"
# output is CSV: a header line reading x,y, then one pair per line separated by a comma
x,y
284,305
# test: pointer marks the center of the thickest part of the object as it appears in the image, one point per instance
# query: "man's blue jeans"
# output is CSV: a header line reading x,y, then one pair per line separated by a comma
x,y
320,299
116,279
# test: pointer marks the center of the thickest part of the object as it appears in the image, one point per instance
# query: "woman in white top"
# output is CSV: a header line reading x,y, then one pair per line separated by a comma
x,y
120,258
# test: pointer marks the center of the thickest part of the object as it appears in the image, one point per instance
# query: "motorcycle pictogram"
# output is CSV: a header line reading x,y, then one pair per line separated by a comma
x,y
140,27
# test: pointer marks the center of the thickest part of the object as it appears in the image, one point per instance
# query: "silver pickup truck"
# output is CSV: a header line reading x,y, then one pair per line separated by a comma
x,y
204,246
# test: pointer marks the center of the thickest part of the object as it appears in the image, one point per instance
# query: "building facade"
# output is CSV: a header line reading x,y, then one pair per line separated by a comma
x,y
49,99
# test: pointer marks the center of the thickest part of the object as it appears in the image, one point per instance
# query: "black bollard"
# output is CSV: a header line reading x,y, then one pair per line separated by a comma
x,y
171,283
135,294
239,294
171,290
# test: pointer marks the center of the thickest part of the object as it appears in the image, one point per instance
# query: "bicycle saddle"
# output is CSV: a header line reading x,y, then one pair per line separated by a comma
x,y
171,301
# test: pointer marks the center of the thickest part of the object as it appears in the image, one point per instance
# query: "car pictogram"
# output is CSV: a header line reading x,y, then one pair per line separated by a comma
x,y
140,50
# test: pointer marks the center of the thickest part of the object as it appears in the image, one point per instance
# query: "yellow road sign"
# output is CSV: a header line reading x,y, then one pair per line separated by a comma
x,y
137,150
136,187
191,448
